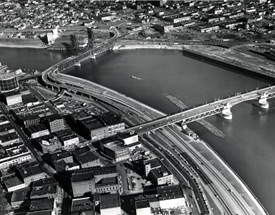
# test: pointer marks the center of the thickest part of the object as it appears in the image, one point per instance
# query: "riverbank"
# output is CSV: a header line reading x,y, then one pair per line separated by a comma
x,y
221,56
147,46
22,43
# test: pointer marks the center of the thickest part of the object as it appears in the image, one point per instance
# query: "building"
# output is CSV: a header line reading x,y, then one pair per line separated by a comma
x,y
54,123
158,173
8,81
85,180
13,155
67,138
48,144
26,120
13,183
129,140
3,120
86,158
171,197
42,206
9,139
91,37
60,160
19,196
113,123
142,206
44,188
116,151
12,98
110,204
93,127
35,131
31,172
208,28
82,205
82,182
107,185
6,129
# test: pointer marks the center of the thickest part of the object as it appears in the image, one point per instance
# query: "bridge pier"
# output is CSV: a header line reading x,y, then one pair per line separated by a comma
x,y
262,101
78,64
183,125
226,111
92,57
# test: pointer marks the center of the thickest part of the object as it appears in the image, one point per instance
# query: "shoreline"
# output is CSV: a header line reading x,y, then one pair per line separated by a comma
x,y
22,43
21,46
187,49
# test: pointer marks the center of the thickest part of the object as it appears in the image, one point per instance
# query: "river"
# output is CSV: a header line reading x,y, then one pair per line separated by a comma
x,y
249,146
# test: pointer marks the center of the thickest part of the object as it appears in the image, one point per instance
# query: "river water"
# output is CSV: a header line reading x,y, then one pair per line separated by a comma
x,y
249,146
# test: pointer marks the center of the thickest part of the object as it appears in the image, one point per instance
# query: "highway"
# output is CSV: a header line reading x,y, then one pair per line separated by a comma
x,y
226,202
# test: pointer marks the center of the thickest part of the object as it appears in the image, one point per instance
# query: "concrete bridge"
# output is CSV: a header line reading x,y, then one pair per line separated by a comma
x,y
221,106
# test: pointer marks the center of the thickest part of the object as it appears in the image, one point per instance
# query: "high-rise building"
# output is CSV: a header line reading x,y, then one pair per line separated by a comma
x,y
90,37
8,80
74,42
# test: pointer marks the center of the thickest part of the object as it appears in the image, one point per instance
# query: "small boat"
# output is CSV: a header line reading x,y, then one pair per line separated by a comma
x,y
134,77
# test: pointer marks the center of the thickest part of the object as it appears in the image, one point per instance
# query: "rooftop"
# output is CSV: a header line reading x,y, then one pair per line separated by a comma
x,y
30,171
20,195
60,155
169,192
12,181
84,155
109,201
41,204
36,128
82,205
89,173
92,123
110,118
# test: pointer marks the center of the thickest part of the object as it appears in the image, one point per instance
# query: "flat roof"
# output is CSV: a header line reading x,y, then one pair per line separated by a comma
x,y
109,201
30,171
44,181
110,118
36,128
41,204
20,195
84,204
8,137
169,192
60,155
115,146
92,123
12,181
44,212
142,204
89,173
85,156
46,189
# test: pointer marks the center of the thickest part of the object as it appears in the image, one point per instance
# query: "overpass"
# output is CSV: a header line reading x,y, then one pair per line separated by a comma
x,y
221,106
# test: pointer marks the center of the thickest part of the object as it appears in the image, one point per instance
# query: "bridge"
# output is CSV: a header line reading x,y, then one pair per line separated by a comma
x,y
221,106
